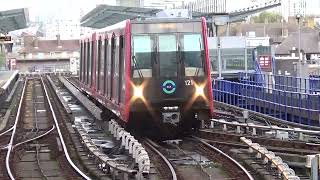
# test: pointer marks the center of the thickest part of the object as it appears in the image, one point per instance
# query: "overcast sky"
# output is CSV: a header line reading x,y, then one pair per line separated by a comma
x,y
70,8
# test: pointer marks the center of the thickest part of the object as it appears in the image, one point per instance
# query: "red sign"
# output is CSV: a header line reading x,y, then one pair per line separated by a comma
x,y
13,62
265,62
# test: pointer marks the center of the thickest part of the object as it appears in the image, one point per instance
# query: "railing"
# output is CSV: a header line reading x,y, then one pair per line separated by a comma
x,y
309,85
254,128
269,157
284,103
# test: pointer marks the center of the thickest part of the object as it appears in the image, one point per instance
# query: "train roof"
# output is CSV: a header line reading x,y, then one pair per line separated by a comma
x,y
121,25
165,20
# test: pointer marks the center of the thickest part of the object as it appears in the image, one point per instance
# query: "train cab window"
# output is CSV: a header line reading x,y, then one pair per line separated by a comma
x,y
141,56
192,55
168,55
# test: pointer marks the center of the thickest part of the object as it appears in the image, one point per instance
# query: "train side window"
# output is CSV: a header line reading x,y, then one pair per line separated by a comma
x,y
106,65
112,67
101,84
98,67
81,61
116,70
88,63
92,63
109,68
141,56
121,69
84,62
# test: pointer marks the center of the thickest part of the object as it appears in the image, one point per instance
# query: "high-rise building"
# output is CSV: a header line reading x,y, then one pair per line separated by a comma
x,y
207,6
130,3
303,7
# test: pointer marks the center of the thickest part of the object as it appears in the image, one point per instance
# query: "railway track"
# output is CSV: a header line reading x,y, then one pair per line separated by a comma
x,y
292,152
223,148
194,158
36,148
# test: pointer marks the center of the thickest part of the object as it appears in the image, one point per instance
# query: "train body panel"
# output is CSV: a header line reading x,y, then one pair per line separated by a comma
x,y
157,67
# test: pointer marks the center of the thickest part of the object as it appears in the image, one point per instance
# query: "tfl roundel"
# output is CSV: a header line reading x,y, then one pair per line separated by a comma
x,y
168,87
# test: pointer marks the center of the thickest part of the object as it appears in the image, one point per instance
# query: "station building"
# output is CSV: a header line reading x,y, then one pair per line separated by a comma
x,y
38,55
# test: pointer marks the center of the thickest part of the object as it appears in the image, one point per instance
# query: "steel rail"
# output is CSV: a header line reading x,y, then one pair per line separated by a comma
x,y
35,138
13,133
5,132
38,162
227,156
173,172
61,137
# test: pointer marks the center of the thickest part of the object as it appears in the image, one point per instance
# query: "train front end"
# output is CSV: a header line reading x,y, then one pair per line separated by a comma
x,y
170,76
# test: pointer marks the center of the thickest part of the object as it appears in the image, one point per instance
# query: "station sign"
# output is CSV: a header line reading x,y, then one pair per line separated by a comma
x,y
5,38
265,62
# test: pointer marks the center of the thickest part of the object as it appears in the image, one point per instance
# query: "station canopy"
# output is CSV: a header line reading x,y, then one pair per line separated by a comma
x,y
13,19
106,15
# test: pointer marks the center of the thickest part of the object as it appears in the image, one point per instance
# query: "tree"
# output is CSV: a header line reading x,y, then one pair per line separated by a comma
x,y
2,59
267,17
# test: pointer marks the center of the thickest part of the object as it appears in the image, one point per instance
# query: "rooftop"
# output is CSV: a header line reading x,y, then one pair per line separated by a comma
x,y
309,43
34,45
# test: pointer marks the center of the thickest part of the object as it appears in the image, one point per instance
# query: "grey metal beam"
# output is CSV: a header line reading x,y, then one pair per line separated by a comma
x,y
241,15
112,13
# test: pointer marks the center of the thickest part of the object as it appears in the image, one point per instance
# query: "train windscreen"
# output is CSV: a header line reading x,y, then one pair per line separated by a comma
x,y
167,55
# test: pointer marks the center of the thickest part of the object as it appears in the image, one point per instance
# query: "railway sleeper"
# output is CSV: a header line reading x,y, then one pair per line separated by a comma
x,y
110,165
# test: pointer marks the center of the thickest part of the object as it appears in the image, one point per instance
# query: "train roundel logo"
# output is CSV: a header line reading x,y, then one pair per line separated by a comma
x,y
169,87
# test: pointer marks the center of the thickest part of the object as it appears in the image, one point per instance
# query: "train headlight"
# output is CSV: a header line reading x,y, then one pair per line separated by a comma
x,y
138,92
199,91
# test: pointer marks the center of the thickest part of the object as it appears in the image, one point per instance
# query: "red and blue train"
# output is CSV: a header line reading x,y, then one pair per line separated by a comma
x,y
152,75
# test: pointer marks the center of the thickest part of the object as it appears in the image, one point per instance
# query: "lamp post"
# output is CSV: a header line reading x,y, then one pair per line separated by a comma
x,y
298,17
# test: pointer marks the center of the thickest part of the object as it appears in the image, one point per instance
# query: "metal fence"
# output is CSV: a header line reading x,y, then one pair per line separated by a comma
x,y
309,85
284,97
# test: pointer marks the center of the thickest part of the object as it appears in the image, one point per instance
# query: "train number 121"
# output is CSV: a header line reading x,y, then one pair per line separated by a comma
x,y
188,82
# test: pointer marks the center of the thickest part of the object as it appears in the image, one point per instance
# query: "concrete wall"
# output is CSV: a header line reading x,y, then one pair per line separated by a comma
x,y
285,65
43,66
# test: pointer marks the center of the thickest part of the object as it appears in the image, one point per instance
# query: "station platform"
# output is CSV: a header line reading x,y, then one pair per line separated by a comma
x,y
6,76
7,81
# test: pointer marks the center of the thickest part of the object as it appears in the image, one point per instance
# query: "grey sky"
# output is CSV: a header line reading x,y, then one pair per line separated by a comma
x,y
70,8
